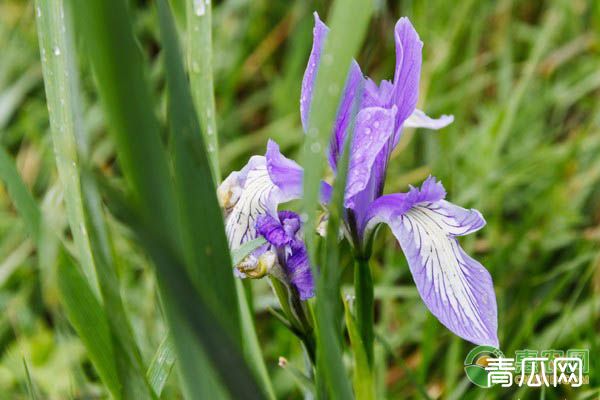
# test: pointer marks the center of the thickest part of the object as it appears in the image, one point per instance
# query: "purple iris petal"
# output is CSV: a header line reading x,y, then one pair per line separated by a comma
x,y
456,288
281,232
408,69
374,127
298,269
270,228
287,175
308,82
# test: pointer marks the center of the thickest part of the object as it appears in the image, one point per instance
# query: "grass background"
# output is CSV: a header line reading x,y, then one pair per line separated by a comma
x,y
522,79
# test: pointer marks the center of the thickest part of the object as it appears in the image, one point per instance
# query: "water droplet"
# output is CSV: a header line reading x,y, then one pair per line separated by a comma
x,y
199,7
56,51
195,67
304,217
328,59
315,147
367,131
313,132
211,148
376,124
38,12
209,131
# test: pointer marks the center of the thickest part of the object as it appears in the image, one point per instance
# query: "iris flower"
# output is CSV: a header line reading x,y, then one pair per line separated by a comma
x,y
457,289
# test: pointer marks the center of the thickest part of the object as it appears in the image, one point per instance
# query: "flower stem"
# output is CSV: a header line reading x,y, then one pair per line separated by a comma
x,y
363,290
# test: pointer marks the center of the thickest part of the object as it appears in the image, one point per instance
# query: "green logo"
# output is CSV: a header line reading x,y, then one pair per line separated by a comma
x,y
475,364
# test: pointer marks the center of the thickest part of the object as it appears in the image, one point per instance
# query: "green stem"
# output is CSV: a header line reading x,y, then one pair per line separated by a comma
x,y
363,290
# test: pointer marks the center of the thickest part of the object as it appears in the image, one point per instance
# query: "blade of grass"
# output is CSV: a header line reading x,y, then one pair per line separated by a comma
x,y
186,309
330,364
362,377
89,320
107,33
193,182
61,84
22,199
161,366
205,250
200,61
84,210
81,304
30,386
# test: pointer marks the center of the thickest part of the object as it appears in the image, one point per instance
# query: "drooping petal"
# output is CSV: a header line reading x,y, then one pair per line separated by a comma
x,y
418,119
256,195
299,273
288,175
373,128
408,69
457,289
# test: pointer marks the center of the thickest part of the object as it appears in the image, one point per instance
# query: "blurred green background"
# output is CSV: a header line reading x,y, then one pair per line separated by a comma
x,y
522,79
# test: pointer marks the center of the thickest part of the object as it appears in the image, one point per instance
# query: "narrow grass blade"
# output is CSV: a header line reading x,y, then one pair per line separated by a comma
x,y
161,366
22,199
61,84
362,376
89,320
348,23
200,62
84,209
205,249
81,304
251,345
107,39
30,386
329,309
188,312
245,249
199,206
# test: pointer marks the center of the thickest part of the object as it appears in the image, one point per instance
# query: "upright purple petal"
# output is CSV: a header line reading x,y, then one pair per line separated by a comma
x,y
374,127
408,69
456,288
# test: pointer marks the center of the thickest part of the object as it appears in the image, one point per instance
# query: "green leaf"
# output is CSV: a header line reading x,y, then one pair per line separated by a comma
x,y
62,95
245,249
74,290
84,208
362,377
161,366
89,320
22,199
189,315
200,62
